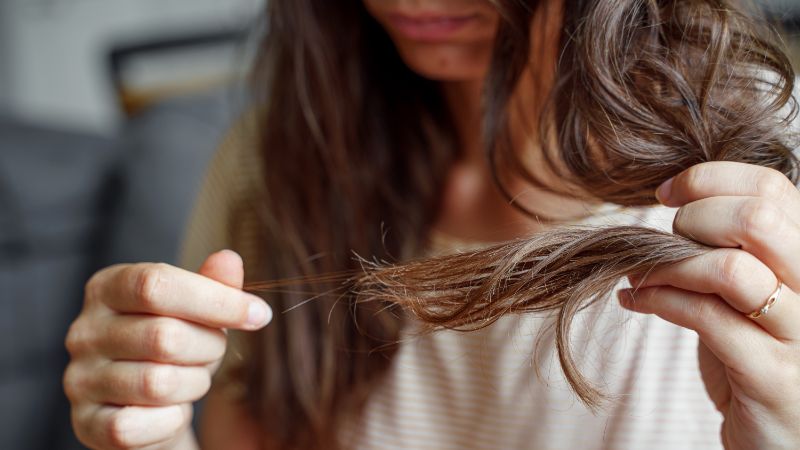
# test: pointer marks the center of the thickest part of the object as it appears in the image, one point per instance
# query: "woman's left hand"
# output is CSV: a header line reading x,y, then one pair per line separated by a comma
x,y
750,367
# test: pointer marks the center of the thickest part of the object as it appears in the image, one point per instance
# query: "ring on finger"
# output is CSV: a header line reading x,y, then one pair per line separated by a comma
x,y
771,300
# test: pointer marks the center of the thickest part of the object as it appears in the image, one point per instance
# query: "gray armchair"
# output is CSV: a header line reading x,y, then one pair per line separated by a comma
x,y
56,189
70,204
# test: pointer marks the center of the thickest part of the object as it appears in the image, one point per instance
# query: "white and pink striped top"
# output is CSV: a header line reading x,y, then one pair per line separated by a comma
x,y
480,390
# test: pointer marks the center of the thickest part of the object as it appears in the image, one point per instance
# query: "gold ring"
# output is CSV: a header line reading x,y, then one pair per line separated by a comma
x,y
768,304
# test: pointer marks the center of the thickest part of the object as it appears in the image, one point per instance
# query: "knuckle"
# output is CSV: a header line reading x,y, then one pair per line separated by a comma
x,y
77,341
731,267
72,382
166,339
120,429
149,284
706,312
759,217
92,287
772,184
158,383
695,177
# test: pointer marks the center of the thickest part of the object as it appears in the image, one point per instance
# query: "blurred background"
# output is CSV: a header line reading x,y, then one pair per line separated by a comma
x,y
109,113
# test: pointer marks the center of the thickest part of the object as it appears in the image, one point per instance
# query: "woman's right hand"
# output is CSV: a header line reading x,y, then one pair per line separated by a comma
x,y
145,346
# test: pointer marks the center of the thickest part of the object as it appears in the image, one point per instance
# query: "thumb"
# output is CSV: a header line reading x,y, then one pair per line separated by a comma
x,y
226,267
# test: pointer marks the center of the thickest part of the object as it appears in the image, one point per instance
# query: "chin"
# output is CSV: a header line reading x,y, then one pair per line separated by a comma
x,y
443,62
442,40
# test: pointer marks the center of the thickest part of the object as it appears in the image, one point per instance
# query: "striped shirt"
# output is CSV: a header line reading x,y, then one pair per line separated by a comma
x,y
502,387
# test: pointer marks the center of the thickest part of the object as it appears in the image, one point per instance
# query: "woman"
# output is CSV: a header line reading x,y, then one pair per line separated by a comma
x,y
372,142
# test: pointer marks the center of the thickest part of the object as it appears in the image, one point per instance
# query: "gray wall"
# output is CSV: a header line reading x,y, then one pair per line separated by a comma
x,y
788,6
53,67
5,55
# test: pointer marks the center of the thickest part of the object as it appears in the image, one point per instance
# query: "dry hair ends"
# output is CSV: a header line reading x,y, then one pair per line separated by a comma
x,y
357,148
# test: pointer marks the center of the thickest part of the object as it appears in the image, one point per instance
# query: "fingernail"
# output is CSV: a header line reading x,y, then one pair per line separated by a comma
x,y
663,192
258,314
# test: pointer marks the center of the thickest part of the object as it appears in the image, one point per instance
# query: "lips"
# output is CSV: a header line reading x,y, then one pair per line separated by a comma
x,y
430,26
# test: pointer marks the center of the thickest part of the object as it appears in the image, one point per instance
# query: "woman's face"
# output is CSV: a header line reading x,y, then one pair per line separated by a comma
x,y
444,40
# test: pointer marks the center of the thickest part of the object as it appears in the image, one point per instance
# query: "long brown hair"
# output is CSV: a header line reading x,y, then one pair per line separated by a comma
x,y
356,148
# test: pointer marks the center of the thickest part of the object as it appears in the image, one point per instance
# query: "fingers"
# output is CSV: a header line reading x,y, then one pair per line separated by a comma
x,y
144,347
727,333
761,367
739,278
164,290
757,225
160,339
722,178
137,384
129,427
